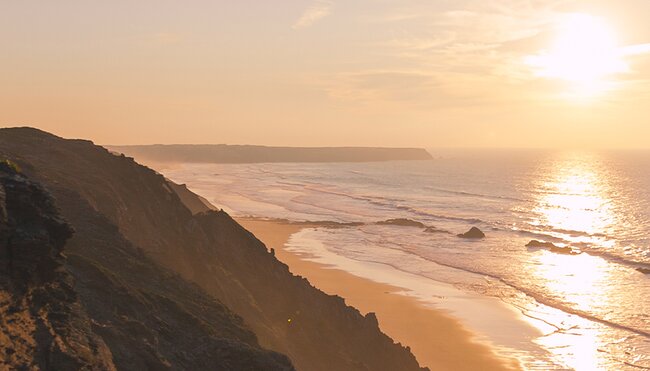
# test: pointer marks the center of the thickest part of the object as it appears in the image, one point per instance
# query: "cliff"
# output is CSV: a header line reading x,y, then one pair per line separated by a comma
x,y
222,153
42,324
103,305
317,331
192,201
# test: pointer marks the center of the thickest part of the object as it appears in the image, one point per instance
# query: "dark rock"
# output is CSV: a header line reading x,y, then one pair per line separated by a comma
x,y
536,243
193,202
372,317
474,233
566,250
643,270
402,222
39,308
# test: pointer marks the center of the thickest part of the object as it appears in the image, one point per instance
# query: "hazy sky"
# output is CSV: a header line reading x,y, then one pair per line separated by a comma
x,y
436,73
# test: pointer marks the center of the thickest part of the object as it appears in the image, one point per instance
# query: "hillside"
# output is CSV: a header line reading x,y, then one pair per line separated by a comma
x,y
125,213
111,308
221,153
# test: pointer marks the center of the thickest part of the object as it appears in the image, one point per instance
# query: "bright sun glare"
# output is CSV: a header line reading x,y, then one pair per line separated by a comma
x,y
585,54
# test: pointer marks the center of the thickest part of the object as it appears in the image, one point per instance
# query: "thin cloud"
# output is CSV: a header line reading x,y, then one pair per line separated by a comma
x,y
636,49
313,14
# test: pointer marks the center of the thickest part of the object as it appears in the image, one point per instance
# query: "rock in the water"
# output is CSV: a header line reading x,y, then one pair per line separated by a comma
x,y
566,250
472,233
535,243
402,222
644,270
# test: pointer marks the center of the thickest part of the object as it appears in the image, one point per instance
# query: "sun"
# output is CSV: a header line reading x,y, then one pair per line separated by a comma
x,y
585,54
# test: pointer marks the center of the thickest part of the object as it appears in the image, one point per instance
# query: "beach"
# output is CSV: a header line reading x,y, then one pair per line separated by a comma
x,y
397,224
438,340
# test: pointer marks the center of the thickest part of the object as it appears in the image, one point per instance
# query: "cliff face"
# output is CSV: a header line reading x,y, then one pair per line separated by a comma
x,y
221,153
104,305
149,316
209,248
42,324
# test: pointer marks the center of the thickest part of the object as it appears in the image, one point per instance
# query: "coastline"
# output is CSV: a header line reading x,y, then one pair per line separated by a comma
x,y
438,340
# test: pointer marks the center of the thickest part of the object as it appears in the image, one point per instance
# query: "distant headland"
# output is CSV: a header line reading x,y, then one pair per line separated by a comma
x,y
223,153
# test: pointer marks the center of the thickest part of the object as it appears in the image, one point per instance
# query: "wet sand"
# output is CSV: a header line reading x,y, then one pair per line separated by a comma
x,y
438,341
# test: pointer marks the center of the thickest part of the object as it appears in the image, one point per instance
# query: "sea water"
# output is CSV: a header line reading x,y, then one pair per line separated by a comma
x,y
591,308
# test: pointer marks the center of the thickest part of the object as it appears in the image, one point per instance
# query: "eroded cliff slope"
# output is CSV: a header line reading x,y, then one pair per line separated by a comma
x,y
95,302
42,324
209,248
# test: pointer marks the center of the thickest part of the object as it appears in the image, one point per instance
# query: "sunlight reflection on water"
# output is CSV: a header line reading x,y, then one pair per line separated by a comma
x,y
574,197
582,281
590,310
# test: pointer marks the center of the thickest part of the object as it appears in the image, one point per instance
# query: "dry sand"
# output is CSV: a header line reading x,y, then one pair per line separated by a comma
x,y
437,340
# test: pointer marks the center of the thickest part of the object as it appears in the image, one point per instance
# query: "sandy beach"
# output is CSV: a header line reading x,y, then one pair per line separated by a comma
x,y
439,341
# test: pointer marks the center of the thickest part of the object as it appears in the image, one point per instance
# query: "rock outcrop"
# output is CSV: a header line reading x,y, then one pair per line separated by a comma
x,y
42,324
125,215
537,244
195,203
473,233
566,250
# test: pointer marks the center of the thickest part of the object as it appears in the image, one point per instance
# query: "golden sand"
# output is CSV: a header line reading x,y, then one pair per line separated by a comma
x,y
437,340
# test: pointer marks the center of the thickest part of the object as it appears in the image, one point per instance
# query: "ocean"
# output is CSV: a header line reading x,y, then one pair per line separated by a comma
x,y
590,309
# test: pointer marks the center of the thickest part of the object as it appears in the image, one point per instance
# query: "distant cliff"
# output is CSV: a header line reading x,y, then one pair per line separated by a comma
x,y
125,214
221,153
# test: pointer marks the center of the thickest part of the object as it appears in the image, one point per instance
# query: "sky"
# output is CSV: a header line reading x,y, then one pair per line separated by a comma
x,y
416,73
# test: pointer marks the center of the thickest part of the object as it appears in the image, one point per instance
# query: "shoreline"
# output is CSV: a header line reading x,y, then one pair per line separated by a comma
x,y
438,340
